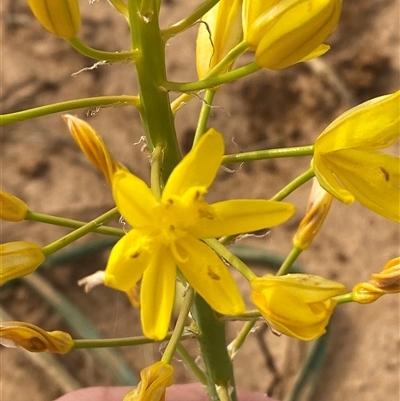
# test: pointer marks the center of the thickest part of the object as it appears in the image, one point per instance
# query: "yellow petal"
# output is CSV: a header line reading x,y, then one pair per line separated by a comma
x,y
18,259
134,199
198,168
222,32
154,380
60,17
328,181
374,124
241,216
209,276
129,257
319,51
373,178
290,31
307,287
12,208
157,294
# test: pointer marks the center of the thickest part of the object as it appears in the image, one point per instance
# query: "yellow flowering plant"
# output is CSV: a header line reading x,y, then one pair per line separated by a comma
x,y
173,236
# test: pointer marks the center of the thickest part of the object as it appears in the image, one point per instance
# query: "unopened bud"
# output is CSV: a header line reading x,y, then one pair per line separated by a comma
x,y
12,208
33,338
18,259
385,282
319,203
289,31
60,17
93,146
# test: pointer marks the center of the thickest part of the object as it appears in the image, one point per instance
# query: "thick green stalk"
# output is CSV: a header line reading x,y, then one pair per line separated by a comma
x,y
212,341
155,111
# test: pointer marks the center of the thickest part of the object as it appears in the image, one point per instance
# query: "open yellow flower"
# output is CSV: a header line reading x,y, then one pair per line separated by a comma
x,y
168,233
298,305
347,162
154,381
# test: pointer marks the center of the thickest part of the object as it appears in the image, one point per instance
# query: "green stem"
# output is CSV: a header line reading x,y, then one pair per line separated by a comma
x,y
121,7
204,114
155,111
231,258
289,261
212,82
292,186
180,325
80,232
155,172
187,22
191,364
344,298
102,55
100,101
63,222
269,154
121,342
212,342
237,343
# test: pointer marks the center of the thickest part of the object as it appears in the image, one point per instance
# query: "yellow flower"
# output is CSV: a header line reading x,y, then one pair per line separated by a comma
x,y
220,32
12,208
92,146
154,381
298,305
33,338
60,17
168,233
319,204
285,32
347,162
19,259
385,282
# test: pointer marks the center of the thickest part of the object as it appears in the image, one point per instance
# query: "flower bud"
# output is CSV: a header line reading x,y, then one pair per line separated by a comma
x,y
19,259
298,305
219,32
33,338
385,282
12,208
319,203
60,17
289,31
154,381
92,146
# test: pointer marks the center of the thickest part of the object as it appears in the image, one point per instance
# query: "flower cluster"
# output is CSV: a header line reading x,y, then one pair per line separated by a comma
x,y
281,32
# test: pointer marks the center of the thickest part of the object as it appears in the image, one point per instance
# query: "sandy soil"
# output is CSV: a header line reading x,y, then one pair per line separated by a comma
x,y
41,164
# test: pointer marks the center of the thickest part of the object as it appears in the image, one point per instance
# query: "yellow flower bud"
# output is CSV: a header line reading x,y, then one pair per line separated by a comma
x,y
12,208
298,305
93,146
285,32
33,338
19,259
319,203
154,381
385,282
219,33
60,17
